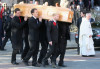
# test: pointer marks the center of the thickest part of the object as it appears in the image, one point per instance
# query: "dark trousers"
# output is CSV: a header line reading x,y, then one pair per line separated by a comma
x,y
52,52
61,50
0,41
16,47
44,47
5,41
33,51
26,48
13,58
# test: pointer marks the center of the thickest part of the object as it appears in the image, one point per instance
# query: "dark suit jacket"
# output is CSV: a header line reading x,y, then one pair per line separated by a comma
x,y
7,27
79,22
64,31
52,32
33,29
43,31
17,32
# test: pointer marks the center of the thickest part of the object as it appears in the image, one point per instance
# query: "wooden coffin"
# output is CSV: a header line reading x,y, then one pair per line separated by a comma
x,y
46,12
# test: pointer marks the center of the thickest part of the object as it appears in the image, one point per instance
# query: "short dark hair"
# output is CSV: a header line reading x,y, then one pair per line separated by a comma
x,y
83,11
32,11
17,9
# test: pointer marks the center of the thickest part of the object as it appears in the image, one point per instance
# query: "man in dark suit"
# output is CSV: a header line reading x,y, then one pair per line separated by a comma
x,y
16,34
7,29
52,35
33,37
78,25
26,48
43,41
64,35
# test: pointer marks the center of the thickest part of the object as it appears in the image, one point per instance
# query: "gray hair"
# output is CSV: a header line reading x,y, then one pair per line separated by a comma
x,y
88,14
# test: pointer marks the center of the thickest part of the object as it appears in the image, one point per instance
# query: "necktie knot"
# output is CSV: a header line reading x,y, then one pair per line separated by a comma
x,y
20,19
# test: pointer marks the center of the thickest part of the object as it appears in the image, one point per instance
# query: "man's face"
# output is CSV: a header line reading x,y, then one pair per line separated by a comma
x,y
35,13
18,13
89,16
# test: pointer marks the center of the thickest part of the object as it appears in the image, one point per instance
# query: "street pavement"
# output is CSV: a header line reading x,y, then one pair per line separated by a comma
x,y
72,60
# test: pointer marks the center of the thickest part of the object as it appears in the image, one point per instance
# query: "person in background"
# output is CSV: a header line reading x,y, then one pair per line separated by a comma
x,y
36,3
77,12
52,35
81,4
7,29
73,5
85,40
16,34
83,13
86,4
31,2
92,3
1,10
76,2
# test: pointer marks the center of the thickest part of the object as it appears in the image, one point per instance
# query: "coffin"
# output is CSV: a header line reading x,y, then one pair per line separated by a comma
x,y
46,12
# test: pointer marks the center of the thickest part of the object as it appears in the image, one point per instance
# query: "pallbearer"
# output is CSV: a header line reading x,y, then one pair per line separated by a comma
x,y
16,34
64,35
33,37
52,35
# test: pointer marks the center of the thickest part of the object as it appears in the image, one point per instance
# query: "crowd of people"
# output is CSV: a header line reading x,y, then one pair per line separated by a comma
x,y
26,35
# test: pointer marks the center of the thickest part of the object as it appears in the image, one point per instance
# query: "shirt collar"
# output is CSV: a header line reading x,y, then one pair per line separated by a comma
x,y
34,17
54,20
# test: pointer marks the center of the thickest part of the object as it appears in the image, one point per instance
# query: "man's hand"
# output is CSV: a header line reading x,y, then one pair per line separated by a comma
x,y
25,18
90,36
50,43
40,19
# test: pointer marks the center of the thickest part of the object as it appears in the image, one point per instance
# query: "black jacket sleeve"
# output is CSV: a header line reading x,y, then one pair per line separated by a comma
x,y
18,25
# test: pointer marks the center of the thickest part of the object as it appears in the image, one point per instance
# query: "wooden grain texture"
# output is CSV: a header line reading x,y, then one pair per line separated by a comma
x,y
46,12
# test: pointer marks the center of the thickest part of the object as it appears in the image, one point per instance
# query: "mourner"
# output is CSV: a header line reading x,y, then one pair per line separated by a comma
x,y
25,47
43,41
64,35
7,29
16,34
33,37
52,35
